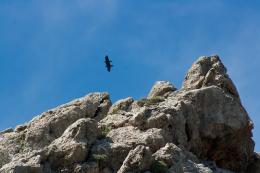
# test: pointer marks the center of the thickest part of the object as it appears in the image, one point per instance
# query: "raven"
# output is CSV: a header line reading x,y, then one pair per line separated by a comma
x,y
108,63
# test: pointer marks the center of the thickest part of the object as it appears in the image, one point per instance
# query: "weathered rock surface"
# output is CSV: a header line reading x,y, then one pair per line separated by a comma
x,y
255,164
138,160
201,128
208,71
160,88
51,132
73,146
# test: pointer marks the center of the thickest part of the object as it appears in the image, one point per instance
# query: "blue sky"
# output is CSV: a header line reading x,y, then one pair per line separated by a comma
x,y
52,51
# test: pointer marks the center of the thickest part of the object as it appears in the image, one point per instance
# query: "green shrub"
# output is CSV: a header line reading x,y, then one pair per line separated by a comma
x,y
159,167
151,101
104,132
115,110
99,157
118,108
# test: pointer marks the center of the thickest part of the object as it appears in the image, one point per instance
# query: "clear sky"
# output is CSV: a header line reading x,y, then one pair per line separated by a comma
x,y
52,51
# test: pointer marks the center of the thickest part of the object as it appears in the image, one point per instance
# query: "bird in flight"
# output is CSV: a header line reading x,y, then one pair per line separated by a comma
x,y
108,63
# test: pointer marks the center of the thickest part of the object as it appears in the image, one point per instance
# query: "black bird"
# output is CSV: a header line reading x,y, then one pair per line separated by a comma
x,y
108,63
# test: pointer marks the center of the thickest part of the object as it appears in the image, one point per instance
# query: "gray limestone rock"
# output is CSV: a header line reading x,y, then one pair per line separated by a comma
x,y
73,146
26,162
153,138
138,160
115,120
180,160
42,130
160,88
208,71
114,152
121,105
212,118
201,128
173,155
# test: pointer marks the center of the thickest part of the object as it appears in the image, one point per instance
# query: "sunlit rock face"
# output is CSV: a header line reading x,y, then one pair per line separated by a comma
x,y
200,128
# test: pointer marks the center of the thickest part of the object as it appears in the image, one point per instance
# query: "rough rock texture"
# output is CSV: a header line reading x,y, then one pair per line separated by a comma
x,y
138,160
73,145
54,132
208,71
255,165
160,88
200,128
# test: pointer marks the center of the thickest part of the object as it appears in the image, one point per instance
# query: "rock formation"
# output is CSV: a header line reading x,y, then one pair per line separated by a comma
x,y
200,128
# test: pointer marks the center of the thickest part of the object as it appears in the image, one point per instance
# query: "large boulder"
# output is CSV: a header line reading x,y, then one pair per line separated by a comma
x,y
174,155
121,105
172,158
210,118
160,88
113,153
45,128
153,138
27,162
210,97
73,146
138,160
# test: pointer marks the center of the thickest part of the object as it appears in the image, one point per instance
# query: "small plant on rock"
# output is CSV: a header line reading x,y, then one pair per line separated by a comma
x,y
99,157
150,101
159,167
104,132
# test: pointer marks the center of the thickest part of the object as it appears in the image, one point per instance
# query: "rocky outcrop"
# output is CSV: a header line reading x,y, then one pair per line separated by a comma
x,y
52,123
201,127
161,88
208,71
64,132
73,146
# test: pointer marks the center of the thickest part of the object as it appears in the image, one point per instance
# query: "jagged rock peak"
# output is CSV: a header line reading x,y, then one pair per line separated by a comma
x,y
202,127
208,71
